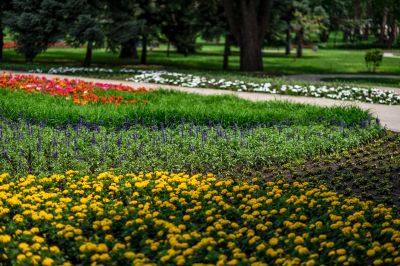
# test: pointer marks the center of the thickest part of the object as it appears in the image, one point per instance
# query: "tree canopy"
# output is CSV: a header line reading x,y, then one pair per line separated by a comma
x,y
123,25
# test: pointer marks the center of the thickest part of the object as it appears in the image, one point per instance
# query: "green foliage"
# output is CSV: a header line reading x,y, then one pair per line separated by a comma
x,y
373,59
181,147
35,24
162,104
370,171
181,23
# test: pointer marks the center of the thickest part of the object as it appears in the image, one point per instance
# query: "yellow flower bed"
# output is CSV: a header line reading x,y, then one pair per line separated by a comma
x,y
163,218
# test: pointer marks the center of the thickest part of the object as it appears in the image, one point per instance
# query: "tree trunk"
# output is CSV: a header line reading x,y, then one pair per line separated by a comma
x,y
168,48
366,32
324,36
129,50
346,36
392,31
227,52
250,43
88,56
382,34
1,41
300,35
288,40
125,51
250,55
357,16
29,56
143,59
248,21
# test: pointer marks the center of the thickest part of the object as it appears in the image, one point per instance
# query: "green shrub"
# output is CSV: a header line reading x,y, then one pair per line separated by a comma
x,y
373,59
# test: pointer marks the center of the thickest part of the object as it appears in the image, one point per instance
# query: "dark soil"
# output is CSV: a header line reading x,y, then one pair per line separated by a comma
x,y
371,172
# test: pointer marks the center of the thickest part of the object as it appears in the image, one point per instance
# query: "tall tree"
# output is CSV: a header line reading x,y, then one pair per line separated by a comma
x,y
4,6
306,21
385,15
83,25
35,24
248,21
215,26
149,15
181,23
123,28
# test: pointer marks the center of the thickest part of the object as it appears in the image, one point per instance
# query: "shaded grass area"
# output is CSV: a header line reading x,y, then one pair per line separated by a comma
x,y
210,58
171,105
370,171
389,82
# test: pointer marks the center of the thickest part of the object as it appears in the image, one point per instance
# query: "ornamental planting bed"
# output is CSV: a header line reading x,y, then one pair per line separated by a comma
x,y
338,92
80,92
179,179
178,219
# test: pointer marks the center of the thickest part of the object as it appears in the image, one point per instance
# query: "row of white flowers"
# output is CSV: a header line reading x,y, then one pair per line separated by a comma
x,y
343,92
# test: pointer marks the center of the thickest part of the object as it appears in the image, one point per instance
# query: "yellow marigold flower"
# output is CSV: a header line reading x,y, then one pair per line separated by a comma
x,y
302,250
341,251
21,257
180,260
38,239
271,253
5,239
35,246
377,262
54,249
71,172
260,247
310,263
186,218
102,248
330,245
370,252
105,257
95,257
273,241
47,262
129,255
351,260
341,258
23,246
18,218
298,240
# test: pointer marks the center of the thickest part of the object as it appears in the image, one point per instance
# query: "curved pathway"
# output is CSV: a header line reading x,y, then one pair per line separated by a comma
x,y
389,115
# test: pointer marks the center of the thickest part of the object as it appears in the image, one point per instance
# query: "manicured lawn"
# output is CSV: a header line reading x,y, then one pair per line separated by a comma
x,y
388,82
210,58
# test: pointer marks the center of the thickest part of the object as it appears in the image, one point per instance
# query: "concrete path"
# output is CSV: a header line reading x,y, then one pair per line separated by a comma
x,y
391,54
389,115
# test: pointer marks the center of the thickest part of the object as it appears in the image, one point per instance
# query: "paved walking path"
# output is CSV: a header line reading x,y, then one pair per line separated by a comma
x,y
389,115
391,54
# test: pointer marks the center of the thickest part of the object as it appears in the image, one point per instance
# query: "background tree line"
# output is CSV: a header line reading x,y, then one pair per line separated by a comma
x,y
124,25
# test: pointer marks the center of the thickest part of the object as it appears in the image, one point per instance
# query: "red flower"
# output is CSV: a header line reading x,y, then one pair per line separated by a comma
x,y
80,91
